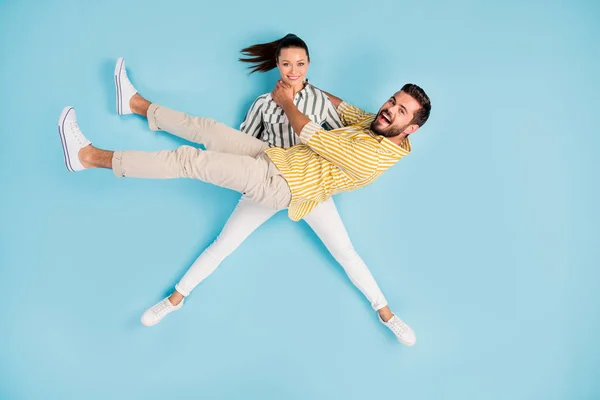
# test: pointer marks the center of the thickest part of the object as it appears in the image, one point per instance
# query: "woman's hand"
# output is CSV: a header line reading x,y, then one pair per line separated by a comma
x,y
282,93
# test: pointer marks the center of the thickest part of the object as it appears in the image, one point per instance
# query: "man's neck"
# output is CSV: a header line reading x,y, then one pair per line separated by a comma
x,y
397,140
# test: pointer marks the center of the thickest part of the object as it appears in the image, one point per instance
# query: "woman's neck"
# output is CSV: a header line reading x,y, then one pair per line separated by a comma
x,y
297,88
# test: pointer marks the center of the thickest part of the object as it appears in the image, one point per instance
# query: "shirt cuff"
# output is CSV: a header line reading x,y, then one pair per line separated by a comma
x,y
309,129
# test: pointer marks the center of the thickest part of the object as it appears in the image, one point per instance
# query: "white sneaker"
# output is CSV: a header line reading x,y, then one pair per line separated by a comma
x,y
72,139
125,89
403,332
157,312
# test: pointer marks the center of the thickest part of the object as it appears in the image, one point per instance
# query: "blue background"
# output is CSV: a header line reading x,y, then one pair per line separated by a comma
x,y
484,239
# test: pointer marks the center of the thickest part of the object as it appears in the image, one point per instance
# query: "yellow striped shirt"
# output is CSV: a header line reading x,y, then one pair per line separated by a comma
x,y
330,162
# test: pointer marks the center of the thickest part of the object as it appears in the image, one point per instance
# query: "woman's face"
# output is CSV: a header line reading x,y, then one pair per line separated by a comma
x,y
293,65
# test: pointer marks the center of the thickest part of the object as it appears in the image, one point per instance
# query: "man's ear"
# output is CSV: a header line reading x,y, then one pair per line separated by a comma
x,y
411,129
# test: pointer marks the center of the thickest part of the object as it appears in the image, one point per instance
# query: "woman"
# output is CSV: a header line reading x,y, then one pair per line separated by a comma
x,y
267,121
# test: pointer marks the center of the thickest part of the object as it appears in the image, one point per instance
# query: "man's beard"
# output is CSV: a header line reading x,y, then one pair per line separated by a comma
x,y
388,132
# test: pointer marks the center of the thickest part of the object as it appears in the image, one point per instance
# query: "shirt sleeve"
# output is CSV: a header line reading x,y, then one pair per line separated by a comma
x,y
357,158
332,118
350,115
252,124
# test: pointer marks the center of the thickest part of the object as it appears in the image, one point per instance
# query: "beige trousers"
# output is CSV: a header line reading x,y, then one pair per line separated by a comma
x,y
232,159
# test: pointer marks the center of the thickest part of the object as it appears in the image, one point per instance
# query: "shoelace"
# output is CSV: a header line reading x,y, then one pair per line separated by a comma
x,y
161,308
398,327
77,132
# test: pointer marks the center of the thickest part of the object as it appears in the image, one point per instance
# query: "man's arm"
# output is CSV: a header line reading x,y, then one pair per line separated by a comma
x,y
283,96
359,159
296,118
349,115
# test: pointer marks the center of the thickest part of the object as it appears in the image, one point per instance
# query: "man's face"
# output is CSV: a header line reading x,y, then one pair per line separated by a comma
x,y
395,115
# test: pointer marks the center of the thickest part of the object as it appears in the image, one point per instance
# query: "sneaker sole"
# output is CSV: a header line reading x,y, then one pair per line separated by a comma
x,y
61,133
149,324
118,69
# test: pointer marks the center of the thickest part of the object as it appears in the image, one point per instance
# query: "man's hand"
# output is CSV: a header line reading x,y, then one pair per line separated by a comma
x,y
283,94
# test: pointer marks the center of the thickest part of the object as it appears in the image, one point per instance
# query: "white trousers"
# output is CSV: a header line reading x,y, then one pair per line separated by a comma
x,y
324,220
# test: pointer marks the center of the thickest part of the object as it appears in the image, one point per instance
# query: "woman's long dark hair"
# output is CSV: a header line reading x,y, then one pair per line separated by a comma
x,y
264,56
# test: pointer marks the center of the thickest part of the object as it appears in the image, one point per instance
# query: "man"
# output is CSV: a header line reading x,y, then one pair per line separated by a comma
x,y
298,178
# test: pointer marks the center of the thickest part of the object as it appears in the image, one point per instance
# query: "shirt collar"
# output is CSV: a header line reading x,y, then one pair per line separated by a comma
x,y
404,146
305,89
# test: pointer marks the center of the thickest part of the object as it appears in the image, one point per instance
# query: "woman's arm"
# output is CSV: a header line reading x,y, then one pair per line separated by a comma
x,y
332,118
348,114
336,101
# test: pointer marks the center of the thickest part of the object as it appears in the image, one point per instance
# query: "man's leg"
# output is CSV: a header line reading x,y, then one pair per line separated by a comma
x,y
213,135
257,177
244,220
327,224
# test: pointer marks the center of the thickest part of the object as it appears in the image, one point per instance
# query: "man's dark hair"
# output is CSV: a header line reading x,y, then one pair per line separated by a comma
x,y
421,97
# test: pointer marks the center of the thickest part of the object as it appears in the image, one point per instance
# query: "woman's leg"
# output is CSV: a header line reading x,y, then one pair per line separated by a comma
x,y
325,221
327,224
244,220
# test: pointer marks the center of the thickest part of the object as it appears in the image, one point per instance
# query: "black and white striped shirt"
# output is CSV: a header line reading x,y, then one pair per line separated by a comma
x,y
267,121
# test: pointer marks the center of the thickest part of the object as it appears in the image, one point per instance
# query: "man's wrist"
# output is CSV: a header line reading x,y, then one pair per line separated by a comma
x,y
288,104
